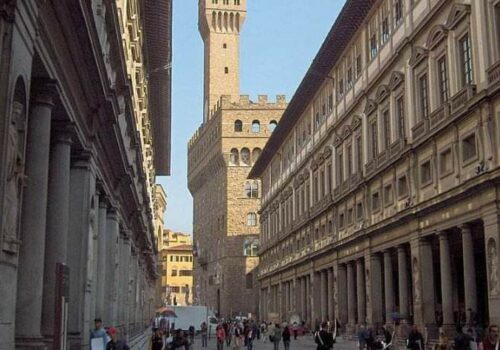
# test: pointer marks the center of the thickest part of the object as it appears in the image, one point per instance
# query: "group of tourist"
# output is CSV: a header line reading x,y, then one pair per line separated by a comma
x,y
106,338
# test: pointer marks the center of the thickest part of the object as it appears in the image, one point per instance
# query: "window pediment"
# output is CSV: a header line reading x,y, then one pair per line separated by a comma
x,y
337,140
382,93
356,122
346,132
419,53
457,14
327,152
370,107
396,79
436,35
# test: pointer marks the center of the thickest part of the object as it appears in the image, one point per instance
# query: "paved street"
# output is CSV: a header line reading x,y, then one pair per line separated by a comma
x,y
300,344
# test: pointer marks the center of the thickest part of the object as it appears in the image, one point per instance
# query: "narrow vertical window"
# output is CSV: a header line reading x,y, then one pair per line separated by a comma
x,y
400,116
386,120
466,59
443,79
349,161
226,70
385,30
340,167
398,12
359,157
373,139
423,97
373,39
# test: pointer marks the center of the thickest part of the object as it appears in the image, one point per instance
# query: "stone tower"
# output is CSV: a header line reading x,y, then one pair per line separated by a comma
x,y
220,156
219,23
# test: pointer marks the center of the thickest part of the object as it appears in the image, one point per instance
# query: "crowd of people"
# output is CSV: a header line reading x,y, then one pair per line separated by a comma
x,y
106,338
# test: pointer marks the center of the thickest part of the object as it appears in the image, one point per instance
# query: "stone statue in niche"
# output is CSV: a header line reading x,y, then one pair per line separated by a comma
x,y
15,177
416,279
493,267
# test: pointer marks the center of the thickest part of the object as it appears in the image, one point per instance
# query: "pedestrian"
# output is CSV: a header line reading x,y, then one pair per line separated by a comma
x,y
191,332
323,338
461,340
157,342
415,339
270,331
362,336
473,339
276,336
115,343
180,340
443,342
203,332
490,342
99,334
387,342
250,337
286,338
263,331
221,336
236,336
295,330
228,336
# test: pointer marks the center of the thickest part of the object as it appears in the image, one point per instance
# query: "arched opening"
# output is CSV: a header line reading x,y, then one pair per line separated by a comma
x,y
255,126
251,219
272,125
231,22
238,126
234,157
256,154
214,21
245,156
226,22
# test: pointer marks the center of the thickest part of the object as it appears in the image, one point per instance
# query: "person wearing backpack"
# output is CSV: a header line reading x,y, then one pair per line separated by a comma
x,y
323,338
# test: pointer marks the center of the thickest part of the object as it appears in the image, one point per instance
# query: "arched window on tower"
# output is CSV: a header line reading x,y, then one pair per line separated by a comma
x,y
256,154
272,125
252,219
245,156
234,157
250,247
238,126
255,126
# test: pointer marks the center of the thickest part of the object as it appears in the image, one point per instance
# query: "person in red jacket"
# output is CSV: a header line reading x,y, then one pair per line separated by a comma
x,y
221,336
491,340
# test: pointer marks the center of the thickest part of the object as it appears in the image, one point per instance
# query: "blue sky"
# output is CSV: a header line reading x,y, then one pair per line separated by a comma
x,y
278,42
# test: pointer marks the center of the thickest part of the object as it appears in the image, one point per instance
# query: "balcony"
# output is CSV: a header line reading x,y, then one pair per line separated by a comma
x,y
439,115
462,97
419,129
494,74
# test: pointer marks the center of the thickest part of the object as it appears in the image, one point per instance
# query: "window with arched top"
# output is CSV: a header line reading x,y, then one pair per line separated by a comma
x,y
272,125
251,247
256,154
245,156
252,189
234,157
238,126
255,126
252,219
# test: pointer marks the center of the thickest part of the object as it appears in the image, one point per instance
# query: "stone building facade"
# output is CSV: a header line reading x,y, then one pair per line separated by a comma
x,y
381,182
221,153
160,207
77,167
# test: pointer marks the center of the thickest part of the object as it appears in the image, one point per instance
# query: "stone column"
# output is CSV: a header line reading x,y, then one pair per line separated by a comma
x,y
324,297
57,224
315,293
446,282
303,298
374,280
112,232
351,296
361,291
329,283
492,247
388,286
33,222
424,298
293,296
101,258
341,290
403,281
470,290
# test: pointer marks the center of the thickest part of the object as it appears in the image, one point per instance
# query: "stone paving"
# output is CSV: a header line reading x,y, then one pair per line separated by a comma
x,y
303,343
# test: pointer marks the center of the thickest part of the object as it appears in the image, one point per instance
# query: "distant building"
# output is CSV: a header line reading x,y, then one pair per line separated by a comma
x,y
381,182
221,153
176,258
160,207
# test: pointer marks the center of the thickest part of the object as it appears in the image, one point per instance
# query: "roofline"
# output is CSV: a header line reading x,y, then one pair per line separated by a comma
x,y
343,30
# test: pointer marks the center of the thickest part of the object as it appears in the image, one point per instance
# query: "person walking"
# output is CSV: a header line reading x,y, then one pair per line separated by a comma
x,y
295,330
98,333
191,333
157,342
203,332
415,339
115,343
276,336
323,338
263,331
461,340
250,337
286,338
221,336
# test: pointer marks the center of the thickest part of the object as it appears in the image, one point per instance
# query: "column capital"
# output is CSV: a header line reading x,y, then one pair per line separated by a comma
x,y
443,235
464,228
43,91
63,132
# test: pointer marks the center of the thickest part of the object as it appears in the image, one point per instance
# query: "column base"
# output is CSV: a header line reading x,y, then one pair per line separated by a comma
x,y
27,343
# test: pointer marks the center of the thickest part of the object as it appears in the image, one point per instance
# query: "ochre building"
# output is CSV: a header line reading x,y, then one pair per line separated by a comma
x,y
381,182
176,259
221,153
